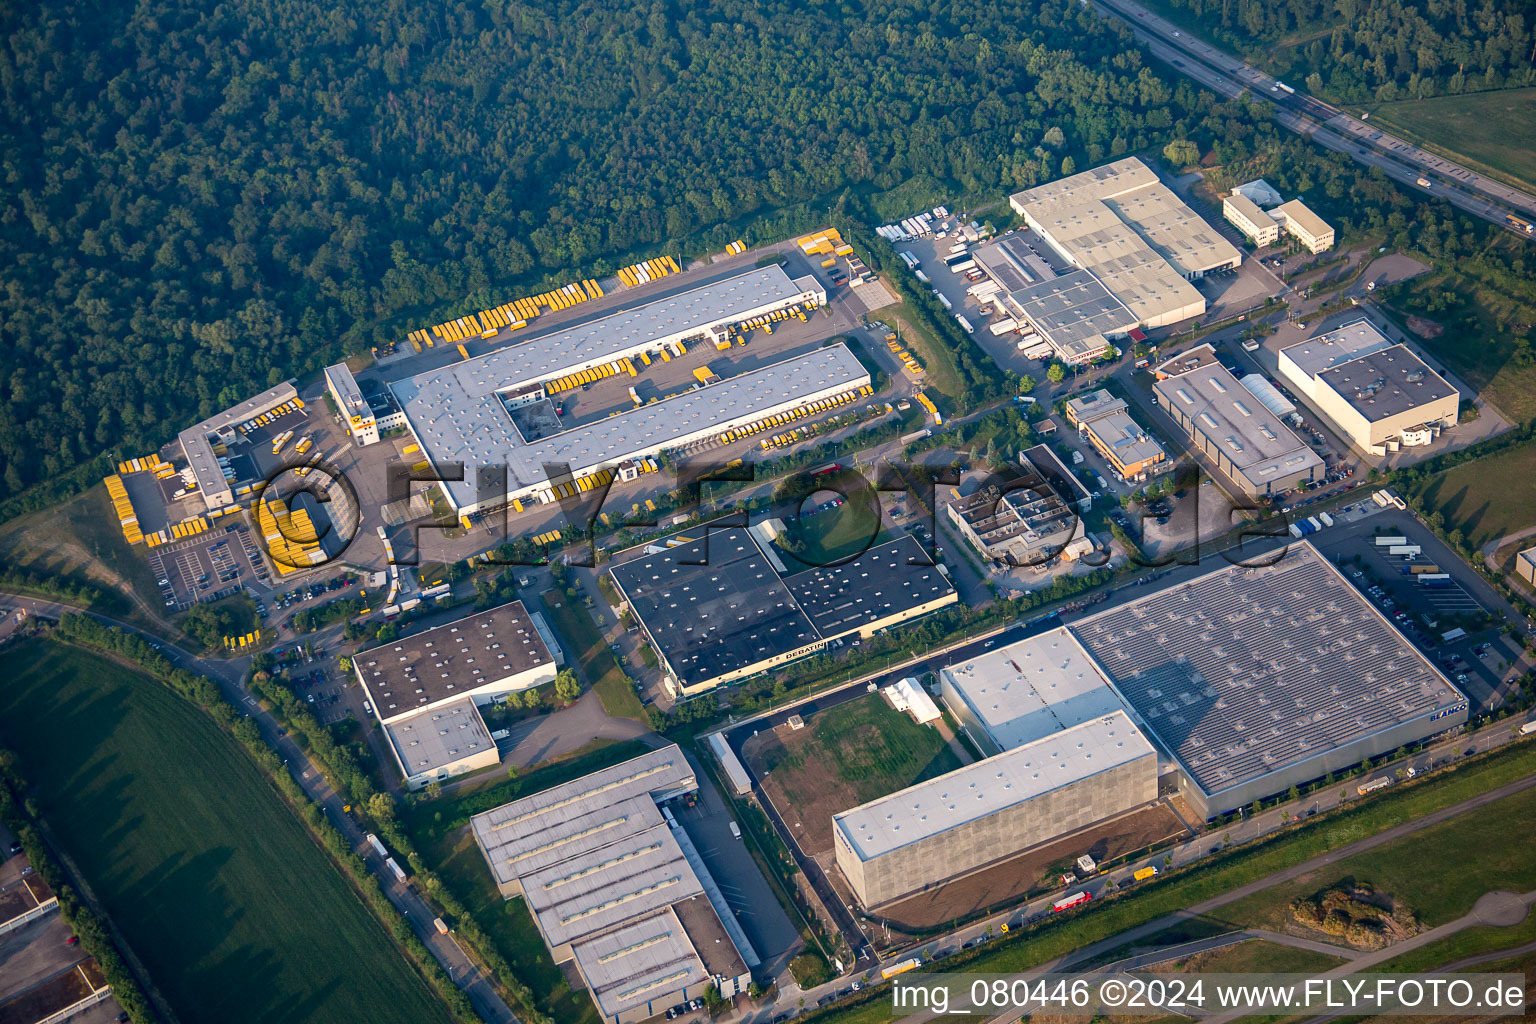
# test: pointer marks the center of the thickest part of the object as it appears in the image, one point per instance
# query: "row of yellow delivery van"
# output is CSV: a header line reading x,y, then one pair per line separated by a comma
x,y
780,419
150,462
649,270
780,440
575,380
271,415
578,485
127,518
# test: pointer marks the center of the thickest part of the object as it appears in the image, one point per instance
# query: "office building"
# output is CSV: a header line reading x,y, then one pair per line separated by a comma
x,y
1107,424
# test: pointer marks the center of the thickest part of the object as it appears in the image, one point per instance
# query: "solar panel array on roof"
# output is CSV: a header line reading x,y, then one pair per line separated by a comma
x,y
716,618
878,583
1243,671
737,610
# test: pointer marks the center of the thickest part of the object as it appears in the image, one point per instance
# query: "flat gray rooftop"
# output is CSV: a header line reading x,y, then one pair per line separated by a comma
x,y
1242,672
341,379
457,658
1387,383
1137,198
1010,262
987,786
439,736
199,451
546,357
1074,311
1333,348
567,820
1233,420
1031,689
458,423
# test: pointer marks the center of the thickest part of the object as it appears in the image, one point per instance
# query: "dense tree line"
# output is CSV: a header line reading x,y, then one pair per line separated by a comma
x,y
18,811
1363,50
205,199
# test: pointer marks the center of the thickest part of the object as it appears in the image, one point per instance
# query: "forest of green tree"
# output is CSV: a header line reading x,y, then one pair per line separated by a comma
x,y
206,198
1361,51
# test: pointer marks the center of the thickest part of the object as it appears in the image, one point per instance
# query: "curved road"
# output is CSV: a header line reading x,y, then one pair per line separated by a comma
x,y
230,677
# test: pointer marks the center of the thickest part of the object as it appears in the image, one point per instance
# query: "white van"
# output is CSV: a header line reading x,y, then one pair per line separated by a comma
x,y
735,830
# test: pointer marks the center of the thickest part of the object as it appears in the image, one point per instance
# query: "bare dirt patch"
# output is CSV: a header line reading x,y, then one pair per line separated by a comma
x,y
1425,328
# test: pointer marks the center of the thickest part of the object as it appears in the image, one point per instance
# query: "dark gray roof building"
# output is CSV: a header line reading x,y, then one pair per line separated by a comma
x,y
1257,679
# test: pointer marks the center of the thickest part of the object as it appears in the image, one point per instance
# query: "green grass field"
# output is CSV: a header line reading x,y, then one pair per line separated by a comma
x,y
207,873
1255,956
1413,869
1488,498
578,631
941,371
833,536
865,744
1495,129
1483,316
80,541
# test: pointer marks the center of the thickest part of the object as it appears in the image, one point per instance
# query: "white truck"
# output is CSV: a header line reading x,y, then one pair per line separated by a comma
x,y
735,830
963,322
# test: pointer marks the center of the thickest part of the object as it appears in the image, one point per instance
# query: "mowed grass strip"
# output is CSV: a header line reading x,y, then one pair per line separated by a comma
x,y
1416,870
581,635
207,872
868,745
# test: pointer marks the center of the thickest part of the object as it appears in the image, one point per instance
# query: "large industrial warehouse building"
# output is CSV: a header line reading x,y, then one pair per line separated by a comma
x,y
1380,393
459,413
724,608
1248,442
424,689
1120,223
1258,679
617,889
994,809
1063,753
1026,691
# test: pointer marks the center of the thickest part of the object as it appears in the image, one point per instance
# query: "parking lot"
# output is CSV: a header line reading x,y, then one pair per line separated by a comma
x,y
730,863
1482,661
208,567
931,252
